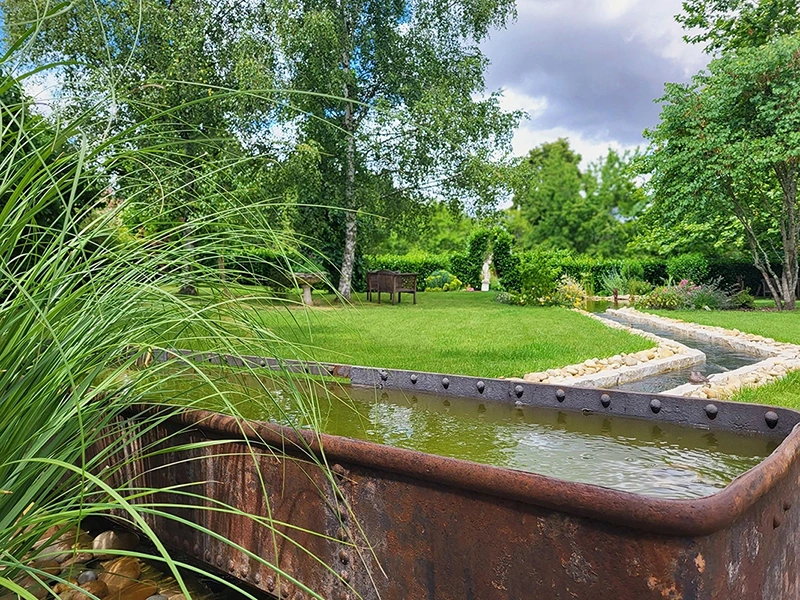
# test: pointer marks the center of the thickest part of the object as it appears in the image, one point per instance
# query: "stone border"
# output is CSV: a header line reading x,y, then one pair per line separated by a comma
x,y
668,355
779,358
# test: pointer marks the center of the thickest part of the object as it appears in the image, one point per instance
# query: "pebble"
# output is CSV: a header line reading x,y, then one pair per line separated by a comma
x,y
87,576
138,590
157,597
114,540
121,572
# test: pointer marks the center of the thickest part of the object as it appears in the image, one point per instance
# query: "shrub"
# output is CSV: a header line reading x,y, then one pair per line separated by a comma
x,y
638,287
614,280
442,281
569,293
743,300
692,267
420,262
505,298
668,297
708,297
538,273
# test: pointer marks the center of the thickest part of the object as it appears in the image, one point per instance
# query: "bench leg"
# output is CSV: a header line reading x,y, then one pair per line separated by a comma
x,y
379,296
415,296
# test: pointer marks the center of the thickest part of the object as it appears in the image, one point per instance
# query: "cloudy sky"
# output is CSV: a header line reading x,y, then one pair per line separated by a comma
x,y
589,70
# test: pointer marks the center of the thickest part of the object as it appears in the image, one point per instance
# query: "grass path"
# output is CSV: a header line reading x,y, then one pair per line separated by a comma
x,y
460,333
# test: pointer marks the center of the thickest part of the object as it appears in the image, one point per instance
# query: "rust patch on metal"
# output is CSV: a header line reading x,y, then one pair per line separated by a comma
x,y
395,524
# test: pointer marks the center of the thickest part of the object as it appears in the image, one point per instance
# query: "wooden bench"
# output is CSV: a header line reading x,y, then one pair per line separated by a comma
x,y
392,282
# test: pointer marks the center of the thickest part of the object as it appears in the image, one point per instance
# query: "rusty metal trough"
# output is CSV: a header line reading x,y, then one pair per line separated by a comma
x,y
396,524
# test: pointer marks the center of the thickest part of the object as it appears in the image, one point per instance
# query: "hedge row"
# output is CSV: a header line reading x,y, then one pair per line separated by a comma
x,y
264,267
740,274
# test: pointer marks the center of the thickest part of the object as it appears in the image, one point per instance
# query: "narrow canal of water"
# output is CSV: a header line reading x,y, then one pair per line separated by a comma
x,y
719,359
638,456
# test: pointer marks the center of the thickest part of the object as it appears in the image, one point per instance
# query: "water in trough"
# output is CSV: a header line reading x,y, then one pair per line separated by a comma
x,y
638,456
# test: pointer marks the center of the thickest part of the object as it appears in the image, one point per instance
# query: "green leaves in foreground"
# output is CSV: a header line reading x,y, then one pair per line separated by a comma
x,y
82,302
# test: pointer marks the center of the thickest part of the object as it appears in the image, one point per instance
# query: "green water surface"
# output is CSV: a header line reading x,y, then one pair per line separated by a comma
x,y
634,455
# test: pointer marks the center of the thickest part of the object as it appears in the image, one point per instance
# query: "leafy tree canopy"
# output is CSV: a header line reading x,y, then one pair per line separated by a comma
x,y
728,24
729,144
556,205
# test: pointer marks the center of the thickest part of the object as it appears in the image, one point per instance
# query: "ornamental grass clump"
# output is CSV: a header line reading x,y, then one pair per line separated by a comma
x,y
86,305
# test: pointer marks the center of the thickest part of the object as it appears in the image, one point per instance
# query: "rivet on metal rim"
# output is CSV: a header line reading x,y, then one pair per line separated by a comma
x,y
518,404
481,386
257,578
518,391
445,382
655,405
344,557
711,411
771,418
605,400
384,375
413,379
560,395
270,583
263,363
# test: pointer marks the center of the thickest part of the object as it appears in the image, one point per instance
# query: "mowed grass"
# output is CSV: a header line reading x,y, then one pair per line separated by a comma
x,y
455,332
780,326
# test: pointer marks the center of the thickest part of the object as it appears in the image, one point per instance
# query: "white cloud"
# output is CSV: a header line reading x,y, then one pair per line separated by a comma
x,y
590,148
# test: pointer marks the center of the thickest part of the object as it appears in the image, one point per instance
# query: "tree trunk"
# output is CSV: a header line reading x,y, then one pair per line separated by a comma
x,y
349,258
790,232
348,124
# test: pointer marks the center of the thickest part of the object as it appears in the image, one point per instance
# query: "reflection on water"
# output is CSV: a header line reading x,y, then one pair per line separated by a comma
x,y
638,456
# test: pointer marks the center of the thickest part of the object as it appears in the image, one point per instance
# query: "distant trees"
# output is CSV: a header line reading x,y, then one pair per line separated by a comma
x,y
557,205
396,109
376,108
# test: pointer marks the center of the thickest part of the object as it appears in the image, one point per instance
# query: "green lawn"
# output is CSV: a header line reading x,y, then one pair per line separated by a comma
x,y
460,332
781,326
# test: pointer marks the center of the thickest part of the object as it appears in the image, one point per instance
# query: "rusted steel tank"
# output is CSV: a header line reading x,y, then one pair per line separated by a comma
x,y
396,524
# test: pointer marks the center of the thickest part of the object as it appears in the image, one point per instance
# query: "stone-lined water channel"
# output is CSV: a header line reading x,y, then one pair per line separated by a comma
x,y
719,359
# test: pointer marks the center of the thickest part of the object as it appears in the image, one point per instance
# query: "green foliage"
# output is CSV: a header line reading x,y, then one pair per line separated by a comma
x,y
727,146
422,264
668,298
442,281
570,293
435,229
691,267
505,298
685,295
477,251
539,273
83,310
743,300
729,24
267,267
612,282
556,205
394,106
